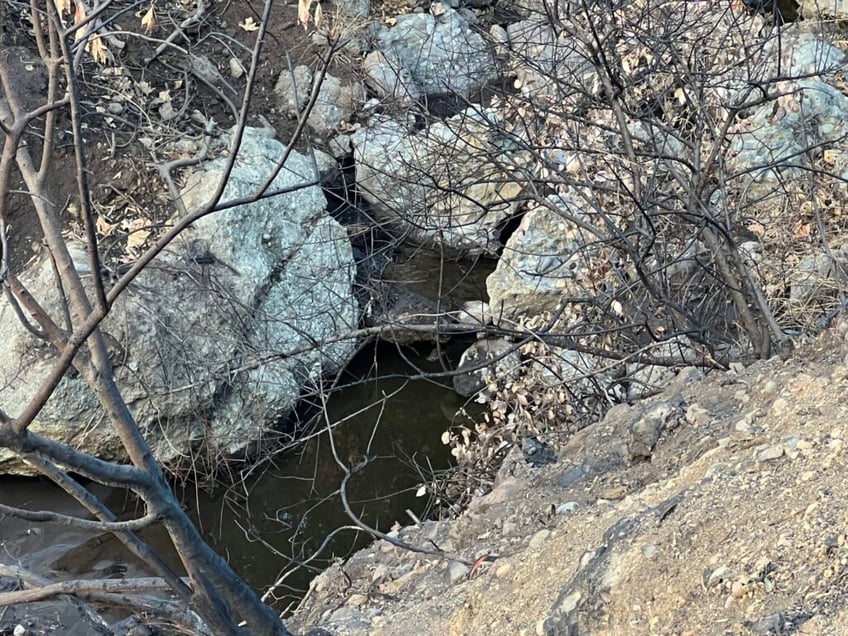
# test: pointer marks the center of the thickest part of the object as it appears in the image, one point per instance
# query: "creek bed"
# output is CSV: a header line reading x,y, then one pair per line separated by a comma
x,y
288,505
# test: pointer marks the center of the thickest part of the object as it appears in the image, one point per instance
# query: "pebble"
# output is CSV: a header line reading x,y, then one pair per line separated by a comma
x,y
571,476
744,427
771,624
115,108
503,570
613,494
779,406
738,589
770,453
236,69
565,508
457,571
770,387
539,538
20,630
697,415
355,600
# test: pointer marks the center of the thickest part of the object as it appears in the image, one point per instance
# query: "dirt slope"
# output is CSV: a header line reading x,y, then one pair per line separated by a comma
x,y
718,507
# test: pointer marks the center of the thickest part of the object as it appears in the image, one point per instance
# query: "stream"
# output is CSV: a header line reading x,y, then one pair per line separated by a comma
x,y
268,520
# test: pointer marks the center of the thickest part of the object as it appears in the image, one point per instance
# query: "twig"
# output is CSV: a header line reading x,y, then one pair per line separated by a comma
x,y
43,516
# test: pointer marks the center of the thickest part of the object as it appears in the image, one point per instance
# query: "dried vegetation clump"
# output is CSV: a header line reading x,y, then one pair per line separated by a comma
x,y
693,157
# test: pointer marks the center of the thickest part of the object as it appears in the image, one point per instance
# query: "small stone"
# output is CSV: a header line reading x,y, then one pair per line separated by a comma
x,y
456,571
503,570
779,406
539,538
744,427
649,550
355,600
738,589
236,69
770,387
613,494
697,415
770,453
565,508
771,624
570,476
20,630
115,108
742,396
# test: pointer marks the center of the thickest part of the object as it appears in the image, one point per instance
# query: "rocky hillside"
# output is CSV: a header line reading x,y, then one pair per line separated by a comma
x,y
716,507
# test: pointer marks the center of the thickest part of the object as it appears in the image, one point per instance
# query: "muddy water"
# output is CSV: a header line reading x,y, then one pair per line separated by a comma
x,y
285,508
281,512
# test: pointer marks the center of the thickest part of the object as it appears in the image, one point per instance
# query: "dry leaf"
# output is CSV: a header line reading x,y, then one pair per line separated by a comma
x,y
249,24
97,50
319,16
801,230
148,21
79,16
95,45
104,228
757,228
137,238
62,6
303,7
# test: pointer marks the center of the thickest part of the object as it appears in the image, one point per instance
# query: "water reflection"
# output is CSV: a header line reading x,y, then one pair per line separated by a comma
x,y
281,514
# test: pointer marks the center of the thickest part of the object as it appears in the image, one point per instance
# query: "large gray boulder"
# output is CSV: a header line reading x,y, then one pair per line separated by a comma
x,y
336,103
213,341
547,259
547,62
812,9
448,184
439,51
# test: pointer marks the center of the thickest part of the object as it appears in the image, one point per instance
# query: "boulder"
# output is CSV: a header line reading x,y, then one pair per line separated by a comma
x,y
812,9
448,184
440,52
336,102
544,60
545,260
493,356
354,8
388,79
213,342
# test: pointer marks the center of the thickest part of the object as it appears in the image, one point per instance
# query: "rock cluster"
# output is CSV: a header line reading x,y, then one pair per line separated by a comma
x,y
259,280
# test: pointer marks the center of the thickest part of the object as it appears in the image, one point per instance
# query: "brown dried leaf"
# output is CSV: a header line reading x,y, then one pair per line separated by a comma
x,y
303,7
148,20
249,24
